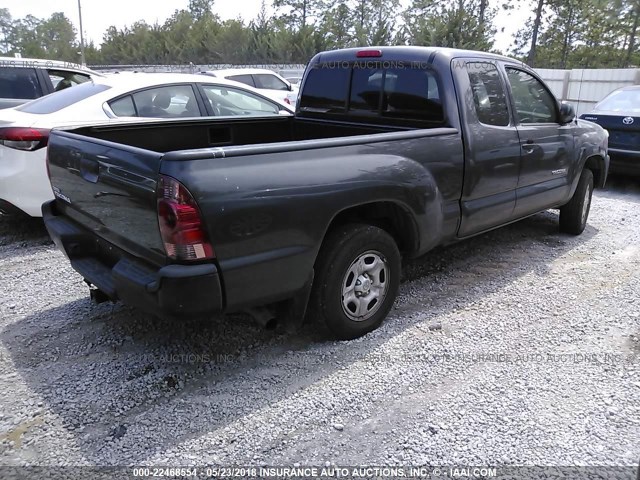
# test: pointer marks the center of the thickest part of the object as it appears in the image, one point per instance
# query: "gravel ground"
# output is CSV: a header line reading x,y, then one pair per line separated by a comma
x,y
519,347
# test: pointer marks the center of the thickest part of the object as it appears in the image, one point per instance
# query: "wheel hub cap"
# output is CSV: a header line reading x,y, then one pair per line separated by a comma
x,y
365,286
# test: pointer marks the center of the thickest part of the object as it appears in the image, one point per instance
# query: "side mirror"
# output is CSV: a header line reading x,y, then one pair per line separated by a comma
x,y
567,113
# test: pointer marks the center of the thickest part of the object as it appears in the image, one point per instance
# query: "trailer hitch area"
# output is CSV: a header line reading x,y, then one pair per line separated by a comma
x,y
97,296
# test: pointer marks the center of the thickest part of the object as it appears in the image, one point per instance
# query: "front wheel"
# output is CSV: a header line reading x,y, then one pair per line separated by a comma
x,y
357,279
573,215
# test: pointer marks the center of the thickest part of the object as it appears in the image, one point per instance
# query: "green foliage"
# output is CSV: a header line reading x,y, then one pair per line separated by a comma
x,y
568,33
582,34
451,23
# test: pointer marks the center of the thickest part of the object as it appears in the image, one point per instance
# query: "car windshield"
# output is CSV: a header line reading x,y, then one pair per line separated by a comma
x,y
57,101
621,101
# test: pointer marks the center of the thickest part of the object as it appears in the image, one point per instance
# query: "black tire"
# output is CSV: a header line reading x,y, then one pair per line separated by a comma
x,y
574,215
336,270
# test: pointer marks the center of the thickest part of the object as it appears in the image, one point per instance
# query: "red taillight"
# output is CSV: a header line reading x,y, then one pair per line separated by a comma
x,y
180,223
287,101
20,138
368,53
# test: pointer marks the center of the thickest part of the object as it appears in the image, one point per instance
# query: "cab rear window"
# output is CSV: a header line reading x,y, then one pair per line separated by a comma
x,y
386,95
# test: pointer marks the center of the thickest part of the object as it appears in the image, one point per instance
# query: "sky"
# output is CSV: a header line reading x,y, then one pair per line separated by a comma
x,y
98,15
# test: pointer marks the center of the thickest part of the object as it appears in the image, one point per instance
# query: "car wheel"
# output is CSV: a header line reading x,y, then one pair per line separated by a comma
x,y
573,215
357,279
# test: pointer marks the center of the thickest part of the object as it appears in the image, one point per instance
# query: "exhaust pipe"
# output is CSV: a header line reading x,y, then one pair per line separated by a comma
x,y
264,317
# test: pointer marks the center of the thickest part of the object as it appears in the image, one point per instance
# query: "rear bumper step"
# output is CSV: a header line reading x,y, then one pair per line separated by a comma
x,y
174,291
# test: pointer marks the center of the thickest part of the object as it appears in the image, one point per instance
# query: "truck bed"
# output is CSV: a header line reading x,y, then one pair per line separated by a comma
x,y
267,188
169,136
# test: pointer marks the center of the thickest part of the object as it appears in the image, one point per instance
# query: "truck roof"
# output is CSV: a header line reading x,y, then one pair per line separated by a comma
x,y
408,53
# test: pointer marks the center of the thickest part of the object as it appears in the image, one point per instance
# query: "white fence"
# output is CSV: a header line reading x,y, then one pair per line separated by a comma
x,y
586,87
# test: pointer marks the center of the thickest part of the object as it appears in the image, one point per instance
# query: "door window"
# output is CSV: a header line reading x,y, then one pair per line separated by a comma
x,y
269,82
123,107
231,101
533,102
163,102
62,79
488,94
246,79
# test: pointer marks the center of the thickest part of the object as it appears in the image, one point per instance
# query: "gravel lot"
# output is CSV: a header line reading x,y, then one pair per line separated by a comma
x,y
519,347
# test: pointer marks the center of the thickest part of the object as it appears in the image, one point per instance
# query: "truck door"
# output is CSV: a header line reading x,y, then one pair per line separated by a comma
x,y
492,146
546,145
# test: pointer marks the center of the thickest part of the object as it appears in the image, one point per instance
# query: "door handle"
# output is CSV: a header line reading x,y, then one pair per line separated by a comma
x,y
89,170
528,146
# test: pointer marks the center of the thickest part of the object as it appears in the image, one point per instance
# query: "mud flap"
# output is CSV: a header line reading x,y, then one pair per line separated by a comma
x,y
292,312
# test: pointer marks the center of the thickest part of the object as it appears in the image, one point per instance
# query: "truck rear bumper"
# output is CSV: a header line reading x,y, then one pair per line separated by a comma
x,y
173,291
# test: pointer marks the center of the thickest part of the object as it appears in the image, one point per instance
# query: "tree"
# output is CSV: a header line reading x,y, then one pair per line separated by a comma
x,y
566,27
6,27
300,13
232,45
25,37
634,15
336,25
374,21
450,23
537,20
200,9
58,38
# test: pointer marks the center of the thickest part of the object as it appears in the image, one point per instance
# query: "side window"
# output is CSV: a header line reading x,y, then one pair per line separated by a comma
x,y
62,79
411,94
19,83
270,82
123,107
488,94
166,102
231,101
533,103
246,79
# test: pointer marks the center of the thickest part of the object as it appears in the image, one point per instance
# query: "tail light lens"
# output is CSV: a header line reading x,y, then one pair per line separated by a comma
x,y
28,139
180,222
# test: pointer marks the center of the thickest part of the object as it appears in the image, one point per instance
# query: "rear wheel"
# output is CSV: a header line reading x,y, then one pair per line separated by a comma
x,y
574,215
357,279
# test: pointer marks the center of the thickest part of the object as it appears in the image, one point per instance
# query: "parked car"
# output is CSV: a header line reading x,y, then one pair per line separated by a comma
x,y
619,113
269,82
23,79
24,131
324,203
293,80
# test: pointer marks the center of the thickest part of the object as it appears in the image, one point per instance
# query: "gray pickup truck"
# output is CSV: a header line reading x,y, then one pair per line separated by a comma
x,y
392,151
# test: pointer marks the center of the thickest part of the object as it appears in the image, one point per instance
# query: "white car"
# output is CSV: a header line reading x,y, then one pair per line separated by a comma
x,y
267,81
23,79
24,130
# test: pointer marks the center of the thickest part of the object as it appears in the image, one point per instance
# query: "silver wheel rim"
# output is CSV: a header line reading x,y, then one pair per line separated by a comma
x,y
585,205
365,286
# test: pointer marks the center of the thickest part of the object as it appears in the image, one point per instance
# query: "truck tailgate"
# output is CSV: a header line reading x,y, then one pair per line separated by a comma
x,y
109,189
